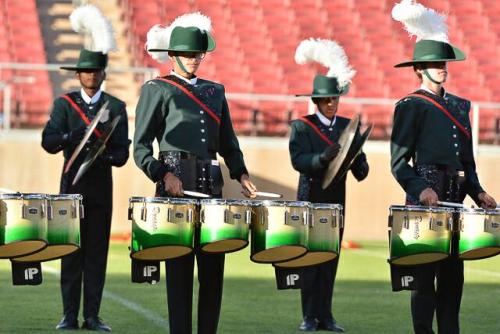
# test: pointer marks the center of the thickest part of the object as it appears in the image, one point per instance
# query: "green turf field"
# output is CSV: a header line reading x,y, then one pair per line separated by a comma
x,y
363,301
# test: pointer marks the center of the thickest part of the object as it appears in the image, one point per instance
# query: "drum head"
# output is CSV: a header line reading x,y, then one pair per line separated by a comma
x,y
21,248
309,259
415,259
279,254
481,253
161,253
225,246
49,253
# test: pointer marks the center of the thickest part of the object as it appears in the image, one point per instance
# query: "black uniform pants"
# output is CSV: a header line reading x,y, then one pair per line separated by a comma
x,y
317,292
180,290
89,263
439,289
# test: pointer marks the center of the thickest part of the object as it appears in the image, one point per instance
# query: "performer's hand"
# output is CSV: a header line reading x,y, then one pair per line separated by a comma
x,y
486,201
248,187
75,135
173,185
428,197
330,153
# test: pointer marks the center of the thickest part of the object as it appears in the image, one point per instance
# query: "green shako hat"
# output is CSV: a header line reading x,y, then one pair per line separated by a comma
x,y
431,31
89,19
89,60
331,55
187,33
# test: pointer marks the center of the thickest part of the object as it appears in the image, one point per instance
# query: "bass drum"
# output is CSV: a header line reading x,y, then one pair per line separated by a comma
x,y
162,228
63,216
23,224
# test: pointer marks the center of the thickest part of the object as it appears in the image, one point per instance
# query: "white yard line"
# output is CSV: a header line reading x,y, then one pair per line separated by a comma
x,y
384,256
146,313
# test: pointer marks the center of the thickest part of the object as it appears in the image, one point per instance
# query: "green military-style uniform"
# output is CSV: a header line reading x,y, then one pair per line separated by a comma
x,y
96,186
424,134
167,114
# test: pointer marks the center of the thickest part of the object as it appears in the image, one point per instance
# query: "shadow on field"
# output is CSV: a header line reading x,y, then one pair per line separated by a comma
x,y
249,306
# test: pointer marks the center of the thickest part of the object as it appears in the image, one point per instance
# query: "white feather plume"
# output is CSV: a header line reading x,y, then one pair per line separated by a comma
x,y
329,54
88,19
420,21
157,38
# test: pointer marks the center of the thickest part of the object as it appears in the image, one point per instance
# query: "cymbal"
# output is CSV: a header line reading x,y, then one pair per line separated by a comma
x,y
345,142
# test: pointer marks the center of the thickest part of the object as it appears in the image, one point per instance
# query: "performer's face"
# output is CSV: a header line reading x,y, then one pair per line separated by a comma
x,y
91,79
190,60
328,106
437,70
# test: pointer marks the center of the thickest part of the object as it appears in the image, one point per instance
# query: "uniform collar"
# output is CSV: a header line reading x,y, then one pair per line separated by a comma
x,y
88,99
325,120
424,87
191,81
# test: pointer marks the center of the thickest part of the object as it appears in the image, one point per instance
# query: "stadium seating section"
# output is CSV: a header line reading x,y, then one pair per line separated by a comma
x,y
256,40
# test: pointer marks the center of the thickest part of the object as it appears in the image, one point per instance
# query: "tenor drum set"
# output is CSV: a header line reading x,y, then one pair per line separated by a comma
x,y
39,227
420,235
284,233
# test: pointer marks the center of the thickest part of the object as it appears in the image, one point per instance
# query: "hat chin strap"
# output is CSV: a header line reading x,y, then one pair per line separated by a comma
x,y
181,65
428,75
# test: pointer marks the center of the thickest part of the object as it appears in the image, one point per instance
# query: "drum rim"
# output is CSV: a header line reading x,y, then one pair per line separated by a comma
x,y
326,206
281,203
162,200
477,211
64,197
421,208
225,201
23,196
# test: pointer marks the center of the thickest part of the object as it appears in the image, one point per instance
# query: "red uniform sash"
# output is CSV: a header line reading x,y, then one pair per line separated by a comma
x,y
317,130
81,113
192,97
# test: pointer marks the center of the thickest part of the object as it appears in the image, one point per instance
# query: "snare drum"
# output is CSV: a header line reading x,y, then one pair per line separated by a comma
x,y
479,233
162,228
323,243
279,230
224,225
63,216
23,224
419,234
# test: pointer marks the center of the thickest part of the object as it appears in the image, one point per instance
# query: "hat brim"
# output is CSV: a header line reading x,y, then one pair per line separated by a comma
x,y
342,92
210,47
459,56
77,68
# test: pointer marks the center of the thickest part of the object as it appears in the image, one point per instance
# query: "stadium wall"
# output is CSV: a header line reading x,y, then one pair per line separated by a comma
x,y
25,167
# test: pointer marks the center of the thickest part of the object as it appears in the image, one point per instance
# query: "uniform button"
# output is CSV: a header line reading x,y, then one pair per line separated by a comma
x,y
456,153
454,126
201,111
454,136
202,121
203,140
202,130
456,145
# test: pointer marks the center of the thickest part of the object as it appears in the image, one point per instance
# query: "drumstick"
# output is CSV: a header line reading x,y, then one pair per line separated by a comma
x,y
268,194
454,205
195,194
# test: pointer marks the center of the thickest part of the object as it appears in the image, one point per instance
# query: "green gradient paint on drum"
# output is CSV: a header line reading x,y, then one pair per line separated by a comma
x,y
419,244
22,232
165,233
479,234
224,225
63,234
279,233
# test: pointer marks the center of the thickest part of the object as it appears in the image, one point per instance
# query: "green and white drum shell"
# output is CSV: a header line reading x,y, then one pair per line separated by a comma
x,y
162,228
479,233
23,224
324,236
224,225
279,230
419,234
64,212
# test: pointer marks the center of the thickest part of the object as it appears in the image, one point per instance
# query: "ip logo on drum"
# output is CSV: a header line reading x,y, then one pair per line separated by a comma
x,y
291,279
149,270
406,280
30,273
